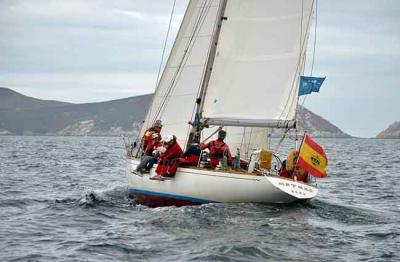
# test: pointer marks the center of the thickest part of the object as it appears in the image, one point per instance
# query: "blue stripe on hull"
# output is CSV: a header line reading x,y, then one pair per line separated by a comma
x,y
133,192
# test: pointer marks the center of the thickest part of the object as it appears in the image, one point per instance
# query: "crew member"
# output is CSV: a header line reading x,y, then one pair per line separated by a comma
x,y
290,170
173,151
147,162
218,149
189,158
151,138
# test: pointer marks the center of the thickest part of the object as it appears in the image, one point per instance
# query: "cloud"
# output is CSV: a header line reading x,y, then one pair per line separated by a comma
x,y
75,36
79,88
90,13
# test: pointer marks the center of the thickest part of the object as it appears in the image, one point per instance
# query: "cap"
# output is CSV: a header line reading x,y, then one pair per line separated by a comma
x,y
168,138
158,123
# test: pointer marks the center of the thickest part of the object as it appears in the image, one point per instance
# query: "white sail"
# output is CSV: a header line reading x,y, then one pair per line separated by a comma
x,y
259,57
176,93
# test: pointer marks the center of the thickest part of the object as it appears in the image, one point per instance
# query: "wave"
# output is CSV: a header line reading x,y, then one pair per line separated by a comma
x,y
350,215
111,196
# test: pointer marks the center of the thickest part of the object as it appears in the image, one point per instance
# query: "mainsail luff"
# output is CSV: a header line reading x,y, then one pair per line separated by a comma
x,y
210,60
196,123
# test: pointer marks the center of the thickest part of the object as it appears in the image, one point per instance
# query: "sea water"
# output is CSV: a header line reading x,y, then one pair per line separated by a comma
x,y
65,199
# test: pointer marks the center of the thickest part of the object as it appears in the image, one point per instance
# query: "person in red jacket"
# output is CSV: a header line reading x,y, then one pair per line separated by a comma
x,y
189,158
173,151
152,138
218,149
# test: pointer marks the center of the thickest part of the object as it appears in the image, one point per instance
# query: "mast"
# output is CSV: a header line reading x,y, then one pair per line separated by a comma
x,y
196,124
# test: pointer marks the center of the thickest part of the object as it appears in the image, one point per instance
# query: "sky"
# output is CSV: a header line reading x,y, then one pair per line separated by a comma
x,y
97,50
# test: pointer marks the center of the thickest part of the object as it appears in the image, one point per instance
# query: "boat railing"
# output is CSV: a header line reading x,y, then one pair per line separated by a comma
x,y
130,146
245,166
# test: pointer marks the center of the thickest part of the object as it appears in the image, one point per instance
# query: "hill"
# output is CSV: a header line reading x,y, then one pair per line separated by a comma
x,y
21,115
393,131
317,126
59,118
11,100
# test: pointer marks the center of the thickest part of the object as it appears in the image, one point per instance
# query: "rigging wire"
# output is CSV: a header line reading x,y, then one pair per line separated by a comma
x,y
281,140
298,69
159,71
165,43
301,27
315,36
244,134
177,75
299,62
248,144
314,45
162,60
184,59
203,73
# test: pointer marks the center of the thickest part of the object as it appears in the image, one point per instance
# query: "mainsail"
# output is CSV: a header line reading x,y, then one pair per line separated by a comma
x,y
259,57
254,69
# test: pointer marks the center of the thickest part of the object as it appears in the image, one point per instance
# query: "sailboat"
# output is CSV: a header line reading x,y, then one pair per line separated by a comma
x,y
234,64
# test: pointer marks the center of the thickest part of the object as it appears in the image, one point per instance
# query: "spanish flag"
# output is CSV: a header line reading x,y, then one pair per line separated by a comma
x,y
312,158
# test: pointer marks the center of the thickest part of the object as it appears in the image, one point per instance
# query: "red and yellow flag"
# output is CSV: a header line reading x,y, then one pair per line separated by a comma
x,y
312,158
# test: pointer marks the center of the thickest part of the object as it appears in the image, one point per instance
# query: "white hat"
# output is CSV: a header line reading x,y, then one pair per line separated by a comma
x,y
168,138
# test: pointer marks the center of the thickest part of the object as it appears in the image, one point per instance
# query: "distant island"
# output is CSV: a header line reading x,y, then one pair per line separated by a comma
x,y
23,115
393,131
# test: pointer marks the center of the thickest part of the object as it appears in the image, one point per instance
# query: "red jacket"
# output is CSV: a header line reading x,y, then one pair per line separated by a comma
x,y
150,142
217,149
173,151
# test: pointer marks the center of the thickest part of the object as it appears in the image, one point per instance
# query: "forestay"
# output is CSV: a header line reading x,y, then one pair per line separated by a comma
x,y
259,57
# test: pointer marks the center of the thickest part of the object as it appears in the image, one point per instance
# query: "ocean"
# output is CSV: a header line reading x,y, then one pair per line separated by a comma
x,y
65,199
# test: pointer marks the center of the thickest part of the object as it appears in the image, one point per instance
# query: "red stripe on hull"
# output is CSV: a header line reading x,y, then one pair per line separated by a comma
x,y
160,201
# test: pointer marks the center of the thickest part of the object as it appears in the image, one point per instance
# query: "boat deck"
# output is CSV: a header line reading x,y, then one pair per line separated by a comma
x,y
233,171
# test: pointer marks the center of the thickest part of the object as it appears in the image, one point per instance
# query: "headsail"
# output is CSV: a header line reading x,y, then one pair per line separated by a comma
x,y
176,93
259,57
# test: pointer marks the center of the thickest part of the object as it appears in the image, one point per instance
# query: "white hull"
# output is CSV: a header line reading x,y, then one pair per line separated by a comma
x,y
197,186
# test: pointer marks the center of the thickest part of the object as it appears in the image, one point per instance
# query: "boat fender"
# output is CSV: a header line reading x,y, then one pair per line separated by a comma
x,y
265,159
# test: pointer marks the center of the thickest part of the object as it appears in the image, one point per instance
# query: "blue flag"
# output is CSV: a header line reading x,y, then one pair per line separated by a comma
x,y
309,84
